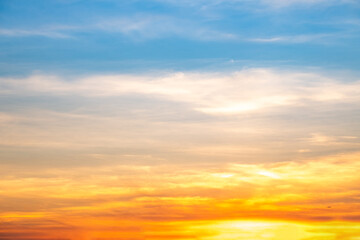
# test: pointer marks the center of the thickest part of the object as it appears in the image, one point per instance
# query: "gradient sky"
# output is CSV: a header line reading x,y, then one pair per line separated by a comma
x,y
164,119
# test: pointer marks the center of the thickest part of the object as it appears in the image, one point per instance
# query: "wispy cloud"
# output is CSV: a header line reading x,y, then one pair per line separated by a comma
x,y
138,27
287,3
50,32
159,26
243,91
269,3
146,27
26,33
310,38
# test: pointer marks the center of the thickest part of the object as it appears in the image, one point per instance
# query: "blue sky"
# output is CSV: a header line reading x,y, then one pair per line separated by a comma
x,y
131,36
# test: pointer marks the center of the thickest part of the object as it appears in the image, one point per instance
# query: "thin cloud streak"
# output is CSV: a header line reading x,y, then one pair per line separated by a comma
x,y
26,33
312,38
144,27
138,28
271,4
159,27
58,31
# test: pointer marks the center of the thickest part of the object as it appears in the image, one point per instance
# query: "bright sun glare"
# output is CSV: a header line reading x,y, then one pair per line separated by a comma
x,y
256,230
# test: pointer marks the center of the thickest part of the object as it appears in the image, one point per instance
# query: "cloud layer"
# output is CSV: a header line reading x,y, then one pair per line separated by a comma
x,y
253,115
243,91
268,201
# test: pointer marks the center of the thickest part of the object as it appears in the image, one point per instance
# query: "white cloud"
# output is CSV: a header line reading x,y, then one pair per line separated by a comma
x,y
159,26
270,3
141,28
288,3
54,31
211,93
33,32
293,39
138,27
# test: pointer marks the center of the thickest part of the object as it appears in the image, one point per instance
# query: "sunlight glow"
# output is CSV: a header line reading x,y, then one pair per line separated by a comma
x,y
260,230
268,174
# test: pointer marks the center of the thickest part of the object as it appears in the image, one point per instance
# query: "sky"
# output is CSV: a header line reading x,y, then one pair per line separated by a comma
x,y
164,119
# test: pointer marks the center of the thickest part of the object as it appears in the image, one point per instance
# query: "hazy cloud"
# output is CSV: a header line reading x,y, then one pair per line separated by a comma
x,y
243,91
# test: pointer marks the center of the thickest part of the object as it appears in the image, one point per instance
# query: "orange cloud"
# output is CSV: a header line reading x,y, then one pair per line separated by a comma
x,y
317,198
